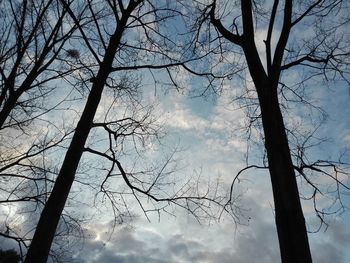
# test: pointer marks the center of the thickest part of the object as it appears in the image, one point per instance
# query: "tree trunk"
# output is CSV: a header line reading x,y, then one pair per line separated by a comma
x,y
45,231
9,105
290,222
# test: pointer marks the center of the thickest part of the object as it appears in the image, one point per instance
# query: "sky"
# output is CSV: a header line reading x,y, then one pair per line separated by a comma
x,y
210,133
205,128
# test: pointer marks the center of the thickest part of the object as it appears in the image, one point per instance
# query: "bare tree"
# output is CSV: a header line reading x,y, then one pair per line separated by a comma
x,y
27,174
322,54
146,47
33,52
34,59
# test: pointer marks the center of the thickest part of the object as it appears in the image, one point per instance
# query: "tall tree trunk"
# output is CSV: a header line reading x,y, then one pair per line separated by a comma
x,y
290,222
45,231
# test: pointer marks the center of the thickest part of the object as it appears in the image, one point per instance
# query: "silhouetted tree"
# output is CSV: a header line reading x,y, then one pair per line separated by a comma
x,y
27,174
322,53
35,61
123,36
33,53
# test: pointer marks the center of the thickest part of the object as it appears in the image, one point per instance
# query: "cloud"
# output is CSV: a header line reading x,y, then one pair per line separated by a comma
x,y
215,132
331,245
126,245
183,240
213,143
